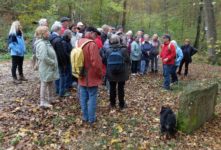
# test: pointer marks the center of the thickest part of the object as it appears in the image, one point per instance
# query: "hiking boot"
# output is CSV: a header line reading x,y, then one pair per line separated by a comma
x,y
22,78
15,81
45,104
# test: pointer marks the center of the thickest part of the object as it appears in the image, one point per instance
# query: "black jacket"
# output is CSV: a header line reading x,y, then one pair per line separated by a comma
x,y
103,37
62,55
188,52
67,47
125,75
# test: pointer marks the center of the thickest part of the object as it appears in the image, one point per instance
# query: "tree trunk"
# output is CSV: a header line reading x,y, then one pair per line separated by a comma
x,y
165,7
210,28
124,14
199,24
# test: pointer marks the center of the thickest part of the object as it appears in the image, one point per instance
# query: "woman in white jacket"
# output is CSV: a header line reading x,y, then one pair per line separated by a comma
x,y
48,65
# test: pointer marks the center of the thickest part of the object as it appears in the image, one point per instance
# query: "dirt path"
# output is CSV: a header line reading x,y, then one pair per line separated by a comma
x,y
24,126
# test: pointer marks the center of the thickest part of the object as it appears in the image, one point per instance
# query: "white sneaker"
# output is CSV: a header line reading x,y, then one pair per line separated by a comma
x,y
45,104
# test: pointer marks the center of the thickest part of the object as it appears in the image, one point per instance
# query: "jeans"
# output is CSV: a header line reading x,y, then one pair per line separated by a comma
x,y
113,93
46,88
174,74
144,66
69,79
167,69
186,67
60,83
88,100
154,63
17,62
134,66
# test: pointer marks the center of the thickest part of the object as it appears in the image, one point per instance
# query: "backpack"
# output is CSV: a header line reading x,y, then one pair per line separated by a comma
x,y
115,62
77,60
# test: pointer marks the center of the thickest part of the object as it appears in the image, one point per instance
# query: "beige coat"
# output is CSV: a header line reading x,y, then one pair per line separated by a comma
x,y
47,60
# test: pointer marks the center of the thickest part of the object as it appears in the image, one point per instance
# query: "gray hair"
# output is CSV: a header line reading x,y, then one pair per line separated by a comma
x,y
105,27
42,22
56,26
115,39
67,32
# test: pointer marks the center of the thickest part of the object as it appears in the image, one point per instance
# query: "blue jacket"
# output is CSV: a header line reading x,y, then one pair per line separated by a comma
x,y
179,54
16,45
146,48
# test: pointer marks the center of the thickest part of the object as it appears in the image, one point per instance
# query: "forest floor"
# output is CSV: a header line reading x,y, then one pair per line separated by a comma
x,y
23,125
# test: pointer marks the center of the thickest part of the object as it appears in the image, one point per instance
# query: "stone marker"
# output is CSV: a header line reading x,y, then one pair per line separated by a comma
x,y
196,106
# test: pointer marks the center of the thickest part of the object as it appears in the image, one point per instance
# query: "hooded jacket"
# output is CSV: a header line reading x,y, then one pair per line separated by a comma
x,y
179,54
92,64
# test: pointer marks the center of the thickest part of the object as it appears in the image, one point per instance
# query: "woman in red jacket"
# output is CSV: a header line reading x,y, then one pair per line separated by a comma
x,y
168,55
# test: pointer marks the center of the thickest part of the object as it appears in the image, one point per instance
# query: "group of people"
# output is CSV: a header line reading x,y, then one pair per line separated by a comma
x,y
110,56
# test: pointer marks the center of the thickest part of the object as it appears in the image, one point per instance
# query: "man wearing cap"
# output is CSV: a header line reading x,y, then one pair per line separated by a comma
x,y
89,84
65,24
168,55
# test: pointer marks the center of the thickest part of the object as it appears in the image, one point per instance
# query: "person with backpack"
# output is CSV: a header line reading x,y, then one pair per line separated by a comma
x,y
118,68
168,56
154,55
17,48
135,56
62,57
48,65
188,52
179,57
146,49
87,66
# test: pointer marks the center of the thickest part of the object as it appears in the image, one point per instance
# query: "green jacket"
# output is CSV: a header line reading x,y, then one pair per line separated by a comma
x,y
47,60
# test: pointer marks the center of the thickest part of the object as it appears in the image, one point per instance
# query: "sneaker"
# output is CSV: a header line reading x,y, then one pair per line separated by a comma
x,y
45,104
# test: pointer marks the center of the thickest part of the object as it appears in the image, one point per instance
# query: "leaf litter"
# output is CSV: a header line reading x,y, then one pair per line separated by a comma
x,y
23,125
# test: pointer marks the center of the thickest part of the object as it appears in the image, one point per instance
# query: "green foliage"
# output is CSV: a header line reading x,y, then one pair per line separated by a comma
x,y
16,140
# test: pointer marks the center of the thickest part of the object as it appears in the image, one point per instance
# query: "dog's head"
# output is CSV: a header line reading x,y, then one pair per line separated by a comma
x,y
164,108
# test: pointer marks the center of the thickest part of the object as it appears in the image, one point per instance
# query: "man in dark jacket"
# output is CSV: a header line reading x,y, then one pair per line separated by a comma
x,y
62,57
188,52
117,78
146,49
67,48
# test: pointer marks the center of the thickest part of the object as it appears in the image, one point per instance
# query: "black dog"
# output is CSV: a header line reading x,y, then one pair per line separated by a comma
x,y
167,121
